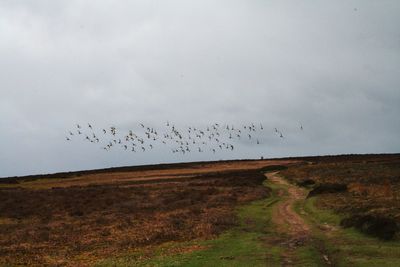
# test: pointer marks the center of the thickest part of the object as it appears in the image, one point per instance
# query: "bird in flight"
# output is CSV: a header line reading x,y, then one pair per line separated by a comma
x,y
215,137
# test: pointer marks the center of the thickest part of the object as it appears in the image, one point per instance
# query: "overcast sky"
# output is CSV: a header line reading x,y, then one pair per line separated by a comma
x,y
333,66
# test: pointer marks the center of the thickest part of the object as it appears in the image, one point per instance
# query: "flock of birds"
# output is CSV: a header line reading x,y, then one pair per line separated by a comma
x,y
215,137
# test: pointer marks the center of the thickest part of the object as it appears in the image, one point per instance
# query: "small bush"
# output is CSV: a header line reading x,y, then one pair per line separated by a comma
x,y
381,227
327,188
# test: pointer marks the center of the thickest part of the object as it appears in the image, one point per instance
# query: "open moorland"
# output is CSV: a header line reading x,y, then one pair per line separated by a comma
x,y
311,211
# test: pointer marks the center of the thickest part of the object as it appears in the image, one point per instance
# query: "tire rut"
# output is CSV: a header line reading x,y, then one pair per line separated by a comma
x,y
289,223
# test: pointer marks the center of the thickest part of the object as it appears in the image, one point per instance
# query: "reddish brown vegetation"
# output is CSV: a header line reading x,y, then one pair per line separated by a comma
x,y
366,189
82,223
78,218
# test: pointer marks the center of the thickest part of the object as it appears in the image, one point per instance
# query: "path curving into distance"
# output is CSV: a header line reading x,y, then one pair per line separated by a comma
x,y
296,231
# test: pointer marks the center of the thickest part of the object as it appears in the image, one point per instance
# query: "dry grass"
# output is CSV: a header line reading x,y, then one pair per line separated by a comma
x,y
70,221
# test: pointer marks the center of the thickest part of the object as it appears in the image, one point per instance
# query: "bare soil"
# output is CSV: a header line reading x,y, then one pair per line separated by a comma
x,y
296,232
284,216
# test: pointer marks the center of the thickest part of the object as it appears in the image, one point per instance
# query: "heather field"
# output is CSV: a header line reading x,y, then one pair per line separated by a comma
x,y
315,211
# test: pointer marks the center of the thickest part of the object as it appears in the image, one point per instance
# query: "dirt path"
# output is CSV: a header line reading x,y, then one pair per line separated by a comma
x,y
289,223
285,217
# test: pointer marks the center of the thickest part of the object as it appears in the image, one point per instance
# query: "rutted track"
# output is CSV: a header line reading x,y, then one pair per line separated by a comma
x,y
288,222
284,215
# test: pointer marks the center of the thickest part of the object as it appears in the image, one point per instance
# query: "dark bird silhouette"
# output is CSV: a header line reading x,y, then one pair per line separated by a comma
x,y
182,140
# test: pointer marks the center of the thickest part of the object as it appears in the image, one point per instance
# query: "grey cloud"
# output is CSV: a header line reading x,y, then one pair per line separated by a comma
x,y
333,66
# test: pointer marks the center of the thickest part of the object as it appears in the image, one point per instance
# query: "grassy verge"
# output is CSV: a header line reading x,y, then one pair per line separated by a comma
x,y
243,245
349,247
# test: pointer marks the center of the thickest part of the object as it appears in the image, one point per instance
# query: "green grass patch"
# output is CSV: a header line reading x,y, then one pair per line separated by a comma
x,y
349,246
243,245
320,216
309,256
